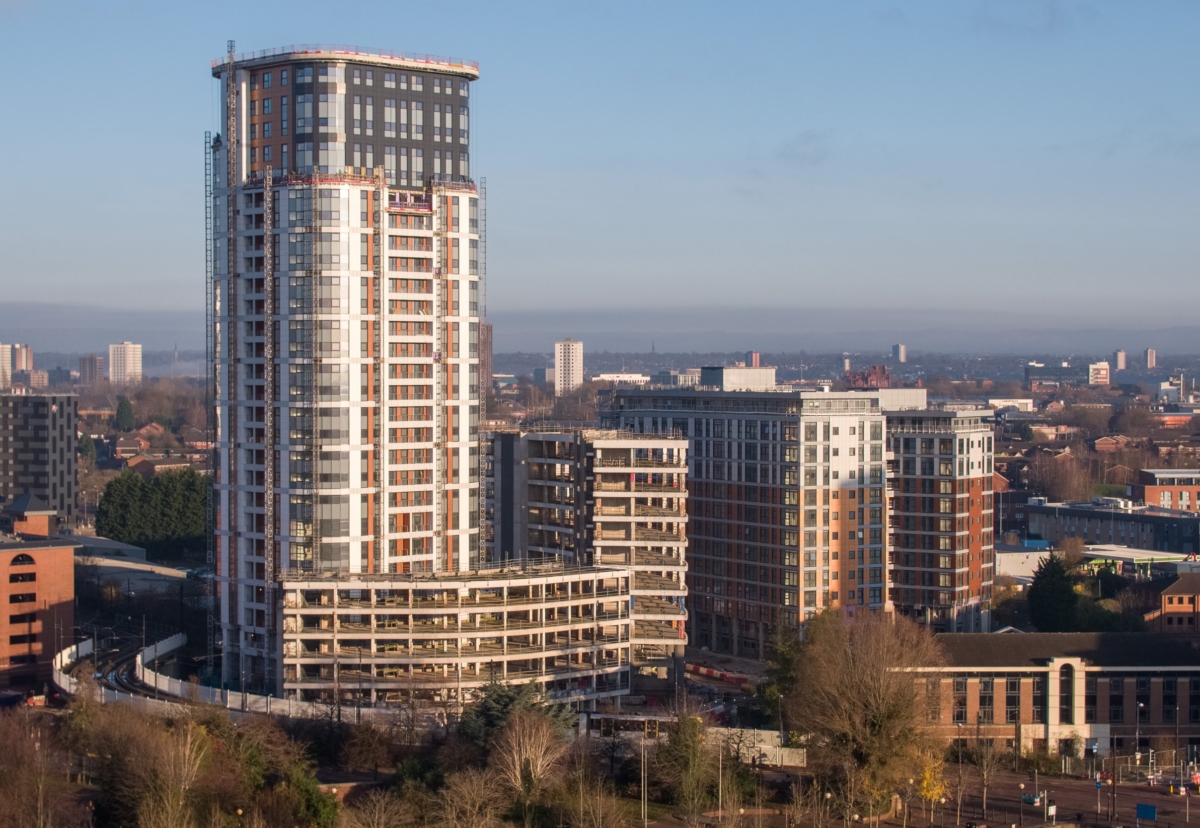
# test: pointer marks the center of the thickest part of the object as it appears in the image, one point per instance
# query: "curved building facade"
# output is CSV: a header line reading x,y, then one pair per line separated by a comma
x,y
345,302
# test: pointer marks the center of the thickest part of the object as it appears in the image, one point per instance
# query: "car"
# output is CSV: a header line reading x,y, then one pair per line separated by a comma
x,y
1031,799
976,825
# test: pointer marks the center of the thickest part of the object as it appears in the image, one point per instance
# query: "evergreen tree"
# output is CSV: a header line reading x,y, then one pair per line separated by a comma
x,y
87,450
166,515
121,513
498,703
124,422
782,668
1052,597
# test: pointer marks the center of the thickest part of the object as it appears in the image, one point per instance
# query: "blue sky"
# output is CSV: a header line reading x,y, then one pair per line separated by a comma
x,y
965,156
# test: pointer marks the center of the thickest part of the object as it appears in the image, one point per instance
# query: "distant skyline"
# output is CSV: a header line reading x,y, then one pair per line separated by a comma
x,y
81,329
947,160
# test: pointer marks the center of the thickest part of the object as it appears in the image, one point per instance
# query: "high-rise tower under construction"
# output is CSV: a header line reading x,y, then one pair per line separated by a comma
x,y
345,269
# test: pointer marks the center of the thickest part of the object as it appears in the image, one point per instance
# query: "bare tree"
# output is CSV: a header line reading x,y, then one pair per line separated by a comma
x,y
470,798
526,758
367,747
180,756
860,703
988,761
378,809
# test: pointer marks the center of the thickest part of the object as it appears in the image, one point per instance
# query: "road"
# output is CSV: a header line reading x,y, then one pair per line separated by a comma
x,y
1075,800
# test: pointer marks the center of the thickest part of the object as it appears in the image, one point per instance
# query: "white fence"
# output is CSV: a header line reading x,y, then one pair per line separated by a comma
x,y
236,702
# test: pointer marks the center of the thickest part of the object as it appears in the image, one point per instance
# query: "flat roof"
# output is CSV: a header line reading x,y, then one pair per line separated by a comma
x,y
1023,650
357,54
25,546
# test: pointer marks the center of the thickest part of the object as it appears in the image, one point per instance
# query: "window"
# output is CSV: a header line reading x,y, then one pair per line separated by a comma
x,y
283,115
1066,694
22,577
24,638
21,560
23,618
1012,700
283,77
22,659
23,598
960,700
389,80
266,81
357,76
389,118
304,113
389,164
933,698
987,700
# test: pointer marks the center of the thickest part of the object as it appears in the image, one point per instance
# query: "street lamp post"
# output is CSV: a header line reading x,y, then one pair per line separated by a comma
x,y
1022,795
1137,741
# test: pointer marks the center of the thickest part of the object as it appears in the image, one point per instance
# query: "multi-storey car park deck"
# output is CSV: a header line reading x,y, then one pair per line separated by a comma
x,y
370,638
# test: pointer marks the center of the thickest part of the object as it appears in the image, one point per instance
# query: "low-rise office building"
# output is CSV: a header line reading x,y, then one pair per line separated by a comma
x,y
1066,693
1168,488
1115,521
37,590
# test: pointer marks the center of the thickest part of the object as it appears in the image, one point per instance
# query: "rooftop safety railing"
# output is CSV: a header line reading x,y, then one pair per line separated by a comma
x,y
350,51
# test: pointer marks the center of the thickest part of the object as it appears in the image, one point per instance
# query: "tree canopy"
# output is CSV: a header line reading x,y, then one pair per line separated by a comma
x,y
860,704
499,703
166,513
124,420
1052,597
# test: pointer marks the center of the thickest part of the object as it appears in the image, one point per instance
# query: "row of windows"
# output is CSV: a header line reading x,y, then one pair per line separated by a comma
x,y
337,74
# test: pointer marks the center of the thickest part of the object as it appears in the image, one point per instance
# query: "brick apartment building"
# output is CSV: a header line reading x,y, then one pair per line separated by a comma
x,y
37,592
1168,488
942,517
788,501
1059,692
1178,606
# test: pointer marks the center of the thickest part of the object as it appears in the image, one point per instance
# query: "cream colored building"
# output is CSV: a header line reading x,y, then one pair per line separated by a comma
x,y
125,363
568,366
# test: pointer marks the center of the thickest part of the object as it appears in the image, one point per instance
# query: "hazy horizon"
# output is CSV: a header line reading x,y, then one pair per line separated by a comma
x,y
75,328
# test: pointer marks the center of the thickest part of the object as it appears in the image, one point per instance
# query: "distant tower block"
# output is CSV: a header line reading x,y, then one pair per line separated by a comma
x,y
568,366
753,359
1119,359
900,353
1151,358
846,365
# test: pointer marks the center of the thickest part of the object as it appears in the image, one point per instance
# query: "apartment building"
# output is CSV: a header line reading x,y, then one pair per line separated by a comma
x,y
345,287
942,517
37,450
5,366
125,363
900,353
788,503
1069,694
1168,488
1151,357
22,357
91,369
1120,359
37,589
592,497
568,366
